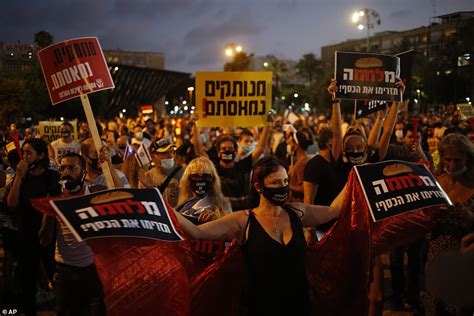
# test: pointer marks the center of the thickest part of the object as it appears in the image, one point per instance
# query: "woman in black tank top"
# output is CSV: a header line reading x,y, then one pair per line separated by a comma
x,y
272,240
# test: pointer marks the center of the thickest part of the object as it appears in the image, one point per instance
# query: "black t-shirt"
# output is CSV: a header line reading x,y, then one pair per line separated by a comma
x,y
321,172
29,219
235,182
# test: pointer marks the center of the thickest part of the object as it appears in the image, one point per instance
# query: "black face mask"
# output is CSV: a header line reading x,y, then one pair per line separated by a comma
x,y
35,164
356,158
94,164
74,185
65,134
200,187
276,196
228,155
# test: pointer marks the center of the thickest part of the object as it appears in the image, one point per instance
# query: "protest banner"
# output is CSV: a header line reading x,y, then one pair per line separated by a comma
x,y
118,212
363,76
74,68
50,129
233,98
366,107
395,187
406,63
466,109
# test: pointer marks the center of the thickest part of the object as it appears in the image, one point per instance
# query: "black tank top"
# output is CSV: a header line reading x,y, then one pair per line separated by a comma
x,y
277,276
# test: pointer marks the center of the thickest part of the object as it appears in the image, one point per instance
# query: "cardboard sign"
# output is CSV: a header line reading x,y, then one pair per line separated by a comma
x,y
73,68
50,129
466,109
363,76
367,107
233,98
118,212
394,187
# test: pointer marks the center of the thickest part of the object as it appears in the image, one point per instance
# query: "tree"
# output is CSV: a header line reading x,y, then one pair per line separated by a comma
x,y
241,62
43,39
309,67
279,69
401,46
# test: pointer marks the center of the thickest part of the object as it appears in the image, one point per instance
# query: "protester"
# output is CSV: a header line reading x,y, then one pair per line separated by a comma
x,y
33,179
77,285
456,176
66,143
165,174
299,143
201,198
271,230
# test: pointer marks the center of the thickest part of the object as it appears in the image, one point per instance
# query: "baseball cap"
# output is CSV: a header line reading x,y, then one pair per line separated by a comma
x,y
162,146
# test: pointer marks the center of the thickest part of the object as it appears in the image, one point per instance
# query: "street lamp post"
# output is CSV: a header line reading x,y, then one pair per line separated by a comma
x,y
372,18
230,49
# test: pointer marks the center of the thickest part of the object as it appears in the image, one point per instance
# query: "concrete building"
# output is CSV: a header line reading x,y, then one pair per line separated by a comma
x,y
148,60
426,40
17,56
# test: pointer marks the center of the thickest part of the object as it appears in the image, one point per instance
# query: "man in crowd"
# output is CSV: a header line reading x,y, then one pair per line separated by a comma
x,y
77,285
66,143
94,175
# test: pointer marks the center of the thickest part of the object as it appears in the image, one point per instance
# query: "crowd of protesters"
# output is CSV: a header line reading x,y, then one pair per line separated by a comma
x,y
206,175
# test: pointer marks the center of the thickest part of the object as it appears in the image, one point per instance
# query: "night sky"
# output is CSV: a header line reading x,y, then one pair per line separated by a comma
x,y
192,33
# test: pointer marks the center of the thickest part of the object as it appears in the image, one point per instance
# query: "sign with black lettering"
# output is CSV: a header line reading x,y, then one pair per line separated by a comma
x,y
50,129
73,68
118,212
394,187
233,98
363,76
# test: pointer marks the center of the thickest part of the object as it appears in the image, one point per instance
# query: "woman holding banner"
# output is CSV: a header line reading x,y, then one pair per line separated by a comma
x,y
201,198
33,179
272,241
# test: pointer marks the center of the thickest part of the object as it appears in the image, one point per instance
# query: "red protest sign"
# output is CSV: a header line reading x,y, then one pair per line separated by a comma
x,y
73,68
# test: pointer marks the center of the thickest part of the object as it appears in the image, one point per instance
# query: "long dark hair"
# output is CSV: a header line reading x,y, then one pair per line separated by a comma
x,y
261,170
41,148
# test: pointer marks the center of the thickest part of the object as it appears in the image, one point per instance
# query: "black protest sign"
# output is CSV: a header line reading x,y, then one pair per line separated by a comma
x,y
394,187
363,76
118,212
367,107
406,63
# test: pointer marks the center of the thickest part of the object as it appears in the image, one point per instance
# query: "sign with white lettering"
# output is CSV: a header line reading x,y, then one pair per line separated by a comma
x,y
73,68
363,76
118,212
394,187
233,98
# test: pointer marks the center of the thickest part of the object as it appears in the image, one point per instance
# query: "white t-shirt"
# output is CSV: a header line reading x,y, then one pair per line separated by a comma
x,y
70,251
61,148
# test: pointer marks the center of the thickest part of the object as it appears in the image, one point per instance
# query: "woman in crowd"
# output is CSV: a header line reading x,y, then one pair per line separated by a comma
x,y
201,198
456,176
298,144
33,179
272,240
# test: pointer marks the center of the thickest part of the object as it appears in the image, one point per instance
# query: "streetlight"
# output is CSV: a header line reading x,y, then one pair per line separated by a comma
x,y
230,49
372,17
265,64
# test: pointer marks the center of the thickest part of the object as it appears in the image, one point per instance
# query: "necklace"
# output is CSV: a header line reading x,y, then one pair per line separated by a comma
x,y
277,219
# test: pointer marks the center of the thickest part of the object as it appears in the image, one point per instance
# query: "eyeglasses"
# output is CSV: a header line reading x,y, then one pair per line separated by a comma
x,y
200,177
63,168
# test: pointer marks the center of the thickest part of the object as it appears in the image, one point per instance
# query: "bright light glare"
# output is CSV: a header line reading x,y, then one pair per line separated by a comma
x,y
360,27
265,64
238,49
361,13
295,95
229,52
355,17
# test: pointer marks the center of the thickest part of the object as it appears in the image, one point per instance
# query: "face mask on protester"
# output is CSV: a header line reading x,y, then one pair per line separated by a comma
x,y
201,185
33,165
65,134
94,164
248,148
276,196
139,135
228,155
74,185
356,158
167,163
399,133
456,173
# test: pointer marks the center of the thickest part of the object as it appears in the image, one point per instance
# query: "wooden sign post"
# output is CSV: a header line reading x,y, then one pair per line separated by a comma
x,y
75,68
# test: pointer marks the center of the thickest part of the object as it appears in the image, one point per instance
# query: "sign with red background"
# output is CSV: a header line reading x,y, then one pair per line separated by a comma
x,y
73,68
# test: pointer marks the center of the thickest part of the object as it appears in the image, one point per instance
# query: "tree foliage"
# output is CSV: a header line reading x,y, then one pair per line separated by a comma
x,y
309,67
241,62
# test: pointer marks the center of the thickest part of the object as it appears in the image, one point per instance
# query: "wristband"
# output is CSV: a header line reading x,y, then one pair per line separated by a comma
x,y
336,101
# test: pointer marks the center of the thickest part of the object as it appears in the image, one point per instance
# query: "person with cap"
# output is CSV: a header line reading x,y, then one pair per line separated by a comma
x,y
165,173
138,137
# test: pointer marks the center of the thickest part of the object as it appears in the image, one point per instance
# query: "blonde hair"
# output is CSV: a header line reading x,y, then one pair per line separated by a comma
x,y
219,203
130,169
